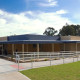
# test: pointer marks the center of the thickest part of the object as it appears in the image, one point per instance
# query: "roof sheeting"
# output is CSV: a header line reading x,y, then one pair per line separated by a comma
x,y
37,41
33,37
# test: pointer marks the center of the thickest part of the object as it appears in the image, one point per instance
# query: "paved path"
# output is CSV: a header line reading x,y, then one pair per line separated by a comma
x,y
8,71
13,76
7,67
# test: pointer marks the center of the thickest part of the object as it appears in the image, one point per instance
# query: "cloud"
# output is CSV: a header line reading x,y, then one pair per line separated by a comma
x,y
29,22
49,3
61,12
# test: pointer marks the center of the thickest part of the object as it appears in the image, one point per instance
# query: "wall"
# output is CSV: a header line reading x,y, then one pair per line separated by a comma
x,y
18,47
70,37
45,47
9,48
3,38
56,47
67,46
65,37
78,47
73,47
32,48
75,37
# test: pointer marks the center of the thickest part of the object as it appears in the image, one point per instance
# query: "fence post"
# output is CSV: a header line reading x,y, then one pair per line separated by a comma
x,y
18,61
73,57
50,59
38,55
31,62
77,56
58,55
16,57
34,57
63,57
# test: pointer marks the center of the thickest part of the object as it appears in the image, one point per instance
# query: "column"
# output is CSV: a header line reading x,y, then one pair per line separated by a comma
x,y
23,50
38,50
12,50
37,47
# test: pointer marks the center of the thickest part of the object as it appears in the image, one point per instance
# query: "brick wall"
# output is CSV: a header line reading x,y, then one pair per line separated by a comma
x,y
3,38
70,37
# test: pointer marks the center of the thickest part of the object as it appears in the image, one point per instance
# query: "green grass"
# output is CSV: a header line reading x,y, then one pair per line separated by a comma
x,y
69,71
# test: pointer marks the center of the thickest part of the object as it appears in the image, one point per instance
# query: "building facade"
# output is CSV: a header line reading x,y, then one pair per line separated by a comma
x,y
38,43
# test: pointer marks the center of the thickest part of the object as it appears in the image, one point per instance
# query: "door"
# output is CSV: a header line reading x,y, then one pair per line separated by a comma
x,y
1,49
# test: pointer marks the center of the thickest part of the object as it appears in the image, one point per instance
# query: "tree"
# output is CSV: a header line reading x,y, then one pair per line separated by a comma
x,y
50,31
73,30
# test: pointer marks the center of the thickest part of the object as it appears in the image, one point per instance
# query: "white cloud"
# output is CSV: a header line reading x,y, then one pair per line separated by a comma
x,y
29,22
49,3
61,12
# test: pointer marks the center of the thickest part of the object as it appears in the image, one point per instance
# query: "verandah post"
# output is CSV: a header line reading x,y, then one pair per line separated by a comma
x,y
38,50
12,50
23,51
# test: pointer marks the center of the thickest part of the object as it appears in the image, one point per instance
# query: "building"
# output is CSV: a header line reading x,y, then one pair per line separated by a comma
x,y
38,43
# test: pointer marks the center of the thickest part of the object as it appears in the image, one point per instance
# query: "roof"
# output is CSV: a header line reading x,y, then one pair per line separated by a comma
x,y
35,42
34,39
30,39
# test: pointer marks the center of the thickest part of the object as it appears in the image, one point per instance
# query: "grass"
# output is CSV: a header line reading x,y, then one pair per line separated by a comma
x,y
70,71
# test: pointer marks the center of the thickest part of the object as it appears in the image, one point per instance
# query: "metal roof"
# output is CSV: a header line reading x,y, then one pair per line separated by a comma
x,y
34,39
35,42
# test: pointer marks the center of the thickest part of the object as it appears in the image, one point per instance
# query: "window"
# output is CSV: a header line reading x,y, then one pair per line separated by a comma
x,y
34,45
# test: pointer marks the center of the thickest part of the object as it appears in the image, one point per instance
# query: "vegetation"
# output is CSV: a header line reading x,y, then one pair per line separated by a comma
x,y
50,31
70,71
73,30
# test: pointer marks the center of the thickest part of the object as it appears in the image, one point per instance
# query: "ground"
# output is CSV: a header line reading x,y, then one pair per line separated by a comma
x,y
70,71
9,67
13,76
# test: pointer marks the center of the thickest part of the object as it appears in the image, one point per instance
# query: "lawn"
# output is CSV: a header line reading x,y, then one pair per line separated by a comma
x,y
70,71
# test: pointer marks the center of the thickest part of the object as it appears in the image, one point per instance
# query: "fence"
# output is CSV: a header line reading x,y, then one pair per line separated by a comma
x,y
30,60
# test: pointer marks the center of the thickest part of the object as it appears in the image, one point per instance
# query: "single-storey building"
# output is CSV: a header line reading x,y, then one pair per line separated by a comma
x,y
38,43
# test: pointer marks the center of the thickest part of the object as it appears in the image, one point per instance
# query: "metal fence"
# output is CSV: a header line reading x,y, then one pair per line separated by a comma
x,y
29,60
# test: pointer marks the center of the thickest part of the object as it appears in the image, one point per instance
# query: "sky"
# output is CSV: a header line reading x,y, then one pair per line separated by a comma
x,y
34,16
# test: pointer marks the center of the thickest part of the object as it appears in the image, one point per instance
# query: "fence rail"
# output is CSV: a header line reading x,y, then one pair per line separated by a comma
x,y
47,58
39,55
29,60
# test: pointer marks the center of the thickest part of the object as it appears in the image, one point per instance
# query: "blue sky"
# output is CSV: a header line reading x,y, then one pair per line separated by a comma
x,y
34,16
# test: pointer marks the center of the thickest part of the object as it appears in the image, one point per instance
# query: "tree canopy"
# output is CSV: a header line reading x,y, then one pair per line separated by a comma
x,y
50,31
73,30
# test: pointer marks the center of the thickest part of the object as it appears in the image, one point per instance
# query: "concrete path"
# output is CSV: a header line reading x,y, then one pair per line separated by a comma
x,y
7,66
13,76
